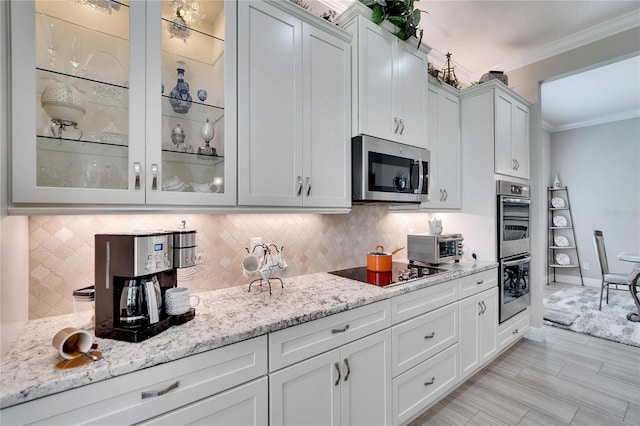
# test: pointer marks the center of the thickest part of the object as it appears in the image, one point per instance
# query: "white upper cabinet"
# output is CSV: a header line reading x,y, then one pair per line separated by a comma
x,y
390,97
444,143
511,135
93,107
293,109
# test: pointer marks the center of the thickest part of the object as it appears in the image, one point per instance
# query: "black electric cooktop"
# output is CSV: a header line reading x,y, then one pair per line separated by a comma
x,y
401,273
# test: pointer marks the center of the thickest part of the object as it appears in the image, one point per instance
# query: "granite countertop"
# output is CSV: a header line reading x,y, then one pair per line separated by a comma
x,y
223,317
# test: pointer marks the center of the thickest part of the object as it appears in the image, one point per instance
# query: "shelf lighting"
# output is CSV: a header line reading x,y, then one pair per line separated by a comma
x,y
105,6
185,13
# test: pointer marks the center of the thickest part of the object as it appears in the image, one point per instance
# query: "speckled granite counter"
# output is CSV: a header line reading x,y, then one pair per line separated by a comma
x,y
223,317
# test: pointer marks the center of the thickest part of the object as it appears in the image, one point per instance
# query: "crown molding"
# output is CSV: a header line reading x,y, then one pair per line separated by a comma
x,y
610,118
597,32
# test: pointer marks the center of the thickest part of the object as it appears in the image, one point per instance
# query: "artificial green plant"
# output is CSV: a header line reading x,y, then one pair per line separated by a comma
x,y
400,13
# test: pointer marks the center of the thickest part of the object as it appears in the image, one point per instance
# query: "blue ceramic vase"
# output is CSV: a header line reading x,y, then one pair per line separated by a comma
x,y
179,97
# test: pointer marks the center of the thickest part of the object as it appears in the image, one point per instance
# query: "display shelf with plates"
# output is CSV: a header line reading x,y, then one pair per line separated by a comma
x,y
562,248
90,131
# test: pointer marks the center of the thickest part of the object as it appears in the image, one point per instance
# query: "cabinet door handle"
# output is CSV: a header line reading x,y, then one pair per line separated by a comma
x,y
154,174
395,121
299,185
152,394
433,380
308,186
340,330
441,195
480,282
513,163
479,308
136,171
401,126
515,331
430,336
337,364
446,195
346,362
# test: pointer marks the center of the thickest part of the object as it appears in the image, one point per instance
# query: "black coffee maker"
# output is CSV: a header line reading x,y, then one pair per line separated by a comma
x,y
132,273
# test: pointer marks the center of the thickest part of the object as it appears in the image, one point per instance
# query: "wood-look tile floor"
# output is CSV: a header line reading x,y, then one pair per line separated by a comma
x,y
570,379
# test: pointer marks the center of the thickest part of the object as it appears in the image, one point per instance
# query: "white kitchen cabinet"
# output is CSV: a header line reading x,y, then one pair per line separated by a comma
x,y
293,108
513,329
444,143
196,386
511,135
390,97
241,406
478,330
419,387
109,143
350,385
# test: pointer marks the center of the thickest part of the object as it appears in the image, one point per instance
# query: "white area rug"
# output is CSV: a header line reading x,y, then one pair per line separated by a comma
x,y
611,323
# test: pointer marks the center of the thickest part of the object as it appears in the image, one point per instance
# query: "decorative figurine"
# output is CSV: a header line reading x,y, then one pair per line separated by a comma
x,y
556,181
180,98
207,133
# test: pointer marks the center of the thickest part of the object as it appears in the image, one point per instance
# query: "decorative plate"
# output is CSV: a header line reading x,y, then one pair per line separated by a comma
x,y
560,221
106,75
562,259
561,241
558,203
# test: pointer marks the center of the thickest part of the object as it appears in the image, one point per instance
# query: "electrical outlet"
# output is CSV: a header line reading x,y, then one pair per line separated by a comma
x,y
586,266
254,241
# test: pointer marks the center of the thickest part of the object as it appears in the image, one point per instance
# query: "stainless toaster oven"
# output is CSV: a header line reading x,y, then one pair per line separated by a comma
x,y
434,249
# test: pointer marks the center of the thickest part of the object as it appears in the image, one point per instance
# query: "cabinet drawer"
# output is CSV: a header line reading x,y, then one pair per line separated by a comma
x,y
418,339
472,284
416,389
416,303
303,341
120,400
513,329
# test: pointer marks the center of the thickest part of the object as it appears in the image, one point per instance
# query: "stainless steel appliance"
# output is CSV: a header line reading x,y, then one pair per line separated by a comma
x,y
400,273
514,246
434,249
132,273
386,172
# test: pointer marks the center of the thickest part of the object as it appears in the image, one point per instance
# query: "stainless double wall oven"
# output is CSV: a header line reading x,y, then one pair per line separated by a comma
x,y
514,247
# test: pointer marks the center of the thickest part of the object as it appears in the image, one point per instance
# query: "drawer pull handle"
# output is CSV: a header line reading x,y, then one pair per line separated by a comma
x,y
152,394
515,331
337,364
433,380
480,282
340,330
346,362
430,336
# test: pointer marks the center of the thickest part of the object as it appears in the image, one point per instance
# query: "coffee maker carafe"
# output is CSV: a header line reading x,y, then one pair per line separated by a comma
x,y
132,273
140,302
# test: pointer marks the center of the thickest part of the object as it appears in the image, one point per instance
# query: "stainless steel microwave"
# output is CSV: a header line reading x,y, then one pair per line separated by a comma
x,y
387,172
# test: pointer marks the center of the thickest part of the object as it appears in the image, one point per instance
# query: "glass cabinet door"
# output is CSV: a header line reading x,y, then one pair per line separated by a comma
x,y
190,122
72,137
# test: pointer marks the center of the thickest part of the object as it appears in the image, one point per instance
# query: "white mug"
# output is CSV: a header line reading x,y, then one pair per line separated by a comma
x,y
178,301
250,265
72,342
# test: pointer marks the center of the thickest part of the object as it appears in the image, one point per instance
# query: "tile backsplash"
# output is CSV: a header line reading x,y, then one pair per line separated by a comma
x,y
61,248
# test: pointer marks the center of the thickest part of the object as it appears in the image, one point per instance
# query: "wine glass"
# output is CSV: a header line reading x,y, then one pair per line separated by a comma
x,y
75,51
202,95
51,21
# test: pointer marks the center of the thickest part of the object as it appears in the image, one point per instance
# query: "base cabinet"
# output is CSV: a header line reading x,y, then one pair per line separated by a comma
x,y
419,387
350,385
478,330
242,406
513,329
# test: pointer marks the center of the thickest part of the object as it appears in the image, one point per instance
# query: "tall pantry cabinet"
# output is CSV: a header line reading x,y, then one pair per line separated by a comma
x,y
112,101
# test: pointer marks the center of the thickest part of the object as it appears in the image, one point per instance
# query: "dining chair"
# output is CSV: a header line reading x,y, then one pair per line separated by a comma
x,y
608,278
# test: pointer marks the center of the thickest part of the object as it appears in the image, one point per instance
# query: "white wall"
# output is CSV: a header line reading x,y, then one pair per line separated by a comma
x,y
600,165
14,231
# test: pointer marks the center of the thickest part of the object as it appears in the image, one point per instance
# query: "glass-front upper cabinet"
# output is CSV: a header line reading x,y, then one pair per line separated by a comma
x,y
191,86
121,103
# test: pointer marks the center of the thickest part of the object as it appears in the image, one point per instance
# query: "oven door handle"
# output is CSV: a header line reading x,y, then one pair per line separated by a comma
x,y
516,200
517,262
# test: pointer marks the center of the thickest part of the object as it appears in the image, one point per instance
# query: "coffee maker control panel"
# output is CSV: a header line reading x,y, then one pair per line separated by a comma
x,y
153,253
